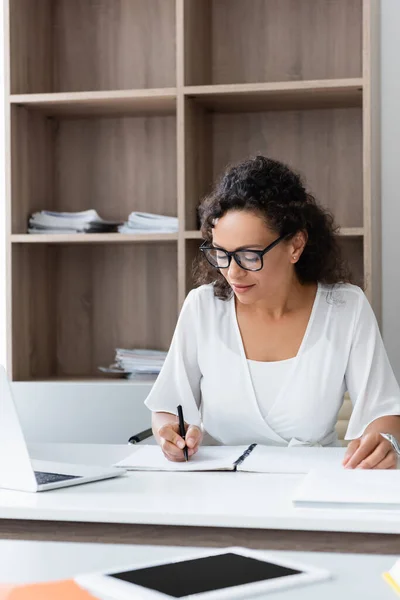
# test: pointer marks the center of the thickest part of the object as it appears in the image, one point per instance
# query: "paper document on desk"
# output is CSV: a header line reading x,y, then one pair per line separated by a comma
x,y
254,458
349,488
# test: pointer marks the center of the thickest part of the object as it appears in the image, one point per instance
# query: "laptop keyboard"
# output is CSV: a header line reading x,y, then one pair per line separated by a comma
x,y
43,477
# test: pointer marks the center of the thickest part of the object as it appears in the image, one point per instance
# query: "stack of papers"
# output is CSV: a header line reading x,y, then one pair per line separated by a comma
x,y
141,222
87,221
137,363
349,488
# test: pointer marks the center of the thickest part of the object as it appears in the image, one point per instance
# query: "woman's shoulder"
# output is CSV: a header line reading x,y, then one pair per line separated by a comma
x,y
204,297
343,296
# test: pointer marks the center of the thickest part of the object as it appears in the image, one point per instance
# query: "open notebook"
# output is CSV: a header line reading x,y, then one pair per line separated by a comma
x,y
254,458
349,488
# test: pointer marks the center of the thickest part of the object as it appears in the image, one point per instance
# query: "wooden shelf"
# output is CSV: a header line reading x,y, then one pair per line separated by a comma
x,y
86,104
279,96
91,238
193,235
140,106
343,232
351,231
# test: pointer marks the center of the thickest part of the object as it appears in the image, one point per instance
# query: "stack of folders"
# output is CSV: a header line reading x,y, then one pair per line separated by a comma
x,y
140,364
87,221
141,222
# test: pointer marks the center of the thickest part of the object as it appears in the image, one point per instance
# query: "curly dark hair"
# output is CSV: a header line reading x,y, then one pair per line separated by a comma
x,y
274,191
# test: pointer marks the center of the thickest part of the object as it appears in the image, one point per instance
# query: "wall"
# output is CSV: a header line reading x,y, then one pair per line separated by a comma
x,y
85,412
390,101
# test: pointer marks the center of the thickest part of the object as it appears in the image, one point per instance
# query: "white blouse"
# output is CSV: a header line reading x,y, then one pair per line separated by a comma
x,y
267,379
207,372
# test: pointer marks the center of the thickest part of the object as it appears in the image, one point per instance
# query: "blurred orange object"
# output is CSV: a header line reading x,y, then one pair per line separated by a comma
x,y
53,590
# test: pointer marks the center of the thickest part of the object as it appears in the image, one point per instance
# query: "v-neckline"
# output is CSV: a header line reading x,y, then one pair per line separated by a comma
x,y
294,364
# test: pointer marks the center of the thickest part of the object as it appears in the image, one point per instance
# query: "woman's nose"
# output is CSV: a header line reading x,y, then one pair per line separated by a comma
x,y
234,271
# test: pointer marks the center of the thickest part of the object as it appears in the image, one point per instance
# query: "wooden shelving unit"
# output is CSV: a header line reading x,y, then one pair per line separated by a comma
x,y
125,105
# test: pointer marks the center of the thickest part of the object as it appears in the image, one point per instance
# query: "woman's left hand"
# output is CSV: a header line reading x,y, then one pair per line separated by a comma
x,y
371,451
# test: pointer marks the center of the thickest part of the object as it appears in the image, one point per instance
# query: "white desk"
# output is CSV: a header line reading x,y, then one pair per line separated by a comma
x,y
355,576
197,508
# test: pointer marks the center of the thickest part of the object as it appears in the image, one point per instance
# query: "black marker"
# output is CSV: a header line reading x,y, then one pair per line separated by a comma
x,y
182,431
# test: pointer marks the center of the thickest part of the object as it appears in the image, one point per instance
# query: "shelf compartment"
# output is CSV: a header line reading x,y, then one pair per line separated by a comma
x,y
87,104
236,41
115,165
73,305
324,145
353,252
77,45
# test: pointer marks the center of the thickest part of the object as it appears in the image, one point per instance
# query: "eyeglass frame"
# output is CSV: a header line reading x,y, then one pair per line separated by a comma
x,y
229,255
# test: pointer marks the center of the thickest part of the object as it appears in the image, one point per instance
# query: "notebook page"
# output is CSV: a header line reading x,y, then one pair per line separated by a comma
x,y
300,459
208,458
349,488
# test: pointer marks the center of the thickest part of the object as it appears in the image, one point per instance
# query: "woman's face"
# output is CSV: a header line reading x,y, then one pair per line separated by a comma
x,y
238,230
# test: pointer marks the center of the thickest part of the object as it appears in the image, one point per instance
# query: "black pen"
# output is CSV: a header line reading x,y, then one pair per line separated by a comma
x,y
182,431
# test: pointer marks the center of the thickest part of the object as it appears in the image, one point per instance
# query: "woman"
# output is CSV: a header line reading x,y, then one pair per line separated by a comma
x,y
265,349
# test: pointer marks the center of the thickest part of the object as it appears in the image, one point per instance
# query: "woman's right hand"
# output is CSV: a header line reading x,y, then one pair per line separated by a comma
x,y
172,443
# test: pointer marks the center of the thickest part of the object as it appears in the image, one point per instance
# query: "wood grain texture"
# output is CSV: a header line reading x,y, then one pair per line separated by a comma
x,y
92,238
282,95
324,145
263,539
109,297
180,146
33,312
372,155
353,252
89,104
31,45
197,42
198,159
136,125
311,39
32,166
192,253
116,165
113,44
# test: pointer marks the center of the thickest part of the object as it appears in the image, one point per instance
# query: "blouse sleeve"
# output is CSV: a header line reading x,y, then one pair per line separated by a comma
x,y
370,381
179,379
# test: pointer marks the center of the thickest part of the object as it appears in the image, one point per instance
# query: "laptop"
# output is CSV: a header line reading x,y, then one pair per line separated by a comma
x,y
19,472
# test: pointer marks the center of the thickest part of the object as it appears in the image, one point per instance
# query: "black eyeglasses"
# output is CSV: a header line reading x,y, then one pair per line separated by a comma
x,y
250,260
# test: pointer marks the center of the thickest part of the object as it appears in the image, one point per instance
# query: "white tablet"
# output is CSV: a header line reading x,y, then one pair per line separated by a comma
x,y
226,573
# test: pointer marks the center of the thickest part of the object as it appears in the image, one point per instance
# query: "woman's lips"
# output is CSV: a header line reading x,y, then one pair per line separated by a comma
x,y
240,289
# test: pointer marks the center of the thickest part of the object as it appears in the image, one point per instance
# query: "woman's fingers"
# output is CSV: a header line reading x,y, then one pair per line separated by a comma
x,y
351,448
376,457
367,445
193,436
169,433
389,462
173,453
371,451
172,443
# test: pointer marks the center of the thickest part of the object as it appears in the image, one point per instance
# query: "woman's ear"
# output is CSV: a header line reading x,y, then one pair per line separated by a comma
x,y
298,243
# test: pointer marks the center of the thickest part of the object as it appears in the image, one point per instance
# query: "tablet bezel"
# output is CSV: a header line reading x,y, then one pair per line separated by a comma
x,y
122,590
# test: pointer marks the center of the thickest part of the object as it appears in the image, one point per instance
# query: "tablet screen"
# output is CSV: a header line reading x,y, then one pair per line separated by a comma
x,y
204,574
